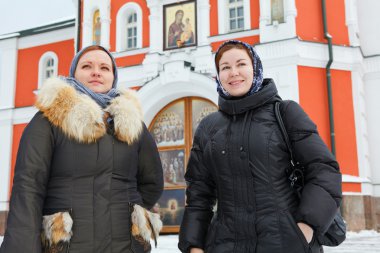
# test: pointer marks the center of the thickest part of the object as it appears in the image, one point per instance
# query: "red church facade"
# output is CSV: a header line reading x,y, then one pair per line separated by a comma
x,y
176,82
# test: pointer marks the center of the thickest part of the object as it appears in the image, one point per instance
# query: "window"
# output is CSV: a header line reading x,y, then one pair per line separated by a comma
x,y
47,67
49,70
96,28
132,31
277,11
129,27
173,129
236,15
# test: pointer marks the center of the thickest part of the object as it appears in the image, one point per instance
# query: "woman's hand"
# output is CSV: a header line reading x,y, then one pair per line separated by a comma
x,y
196,250
306,230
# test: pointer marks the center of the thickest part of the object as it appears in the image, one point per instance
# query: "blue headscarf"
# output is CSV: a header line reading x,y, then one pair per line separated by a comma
x,y
101,99
257,70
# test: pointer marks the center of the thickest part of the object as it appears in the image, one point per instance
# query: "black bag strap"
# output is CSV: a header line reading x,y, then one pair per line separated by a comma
x,y
284,132
296,172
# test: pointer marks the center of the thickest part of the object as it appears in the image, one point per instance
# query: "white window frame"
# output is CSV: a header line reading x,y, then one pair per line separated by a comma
x,y
223,16
237,4
42,67
131,26
121,26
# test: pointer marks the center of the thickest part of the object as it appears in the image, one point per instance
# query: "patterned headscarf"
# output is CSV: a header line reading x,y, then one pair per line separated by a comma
x,y
257,69
100,98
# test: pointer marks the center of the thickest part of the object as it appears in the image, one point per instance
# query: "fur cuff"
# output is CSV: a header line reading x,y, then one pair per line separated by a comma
x,y
57,229
145,224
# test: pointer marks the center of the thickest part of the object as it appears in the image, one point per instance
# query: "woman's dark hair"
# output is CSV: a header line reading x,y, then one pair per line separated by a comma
x,y
227,47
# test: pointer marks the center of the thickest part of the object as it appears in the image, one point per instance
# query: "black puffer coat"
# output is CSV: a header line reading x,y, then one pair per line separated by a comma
x,y
69,160
239,159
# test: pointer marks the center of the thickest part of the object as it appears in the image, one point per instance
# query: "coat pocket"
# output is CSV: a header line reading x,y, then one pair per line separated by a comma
x,y
298,231
56,232
210,238
145,225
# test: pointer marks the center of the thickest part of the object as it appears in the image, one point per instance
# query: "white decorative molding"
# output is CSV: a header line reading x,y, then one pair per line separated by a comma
x,y
273,32
316,55
365,183
204,60
121,25
372,64
161,91
131,76
286,79
234,35
354,179
152,65
46,38
131,52
23,115
9,36
280,61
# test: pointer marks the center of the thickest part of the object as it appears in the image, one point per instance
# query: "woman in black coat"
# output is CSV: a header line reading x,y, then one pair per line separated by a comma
x,y
87,168
239,161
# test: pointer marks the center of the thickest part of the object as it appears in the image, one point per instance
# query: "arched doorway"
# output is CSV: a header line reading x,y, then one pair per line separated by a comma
x,y
173,129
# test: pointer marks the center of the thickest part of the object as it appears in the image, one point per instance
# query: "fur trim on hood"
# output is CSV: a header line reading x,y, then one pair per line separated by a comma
x,y
82,119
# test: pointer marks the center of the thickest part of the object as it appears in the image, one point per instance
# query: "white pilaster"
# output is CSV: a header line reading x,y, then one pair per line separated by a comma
x,y
203,22
352,22
86,33
361,126
372,102
155,22
8,65
6,133
105,37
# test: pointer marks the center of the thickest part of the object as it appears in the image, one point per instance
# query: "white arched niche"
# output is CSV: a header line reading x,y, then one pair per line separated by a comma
x,y
155,95
121,25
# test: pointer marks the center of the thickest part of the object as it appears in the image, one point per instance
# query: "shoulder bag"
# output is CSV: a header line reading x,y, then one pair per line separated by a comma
x,y
336,233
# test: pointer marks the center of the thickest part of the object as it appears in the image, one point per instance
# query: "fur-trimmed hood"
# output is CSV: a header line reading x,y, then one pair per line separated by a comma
x,y
82,119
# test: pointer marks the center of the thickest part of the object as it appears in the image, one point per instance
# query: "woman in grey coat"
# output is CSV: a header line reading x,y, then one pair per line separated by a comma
x,y
87,169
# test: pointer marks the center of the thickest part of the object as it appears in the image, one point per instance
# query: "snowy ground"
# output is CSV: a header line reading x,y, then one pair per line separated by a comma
x,y
363,242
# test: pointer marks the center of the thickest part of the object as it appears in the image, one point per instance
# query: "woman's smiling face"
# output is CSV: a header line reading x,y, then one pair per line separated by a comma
x,y
236,72
94,70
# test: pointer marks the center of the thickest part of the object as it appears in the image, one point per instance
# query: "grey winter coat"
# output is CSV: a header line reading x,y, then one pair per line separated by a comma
x,y
71,160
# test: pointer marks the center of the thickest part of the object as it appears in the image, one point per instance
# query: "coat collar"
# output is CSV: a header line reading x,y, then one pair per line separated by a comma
x,y
237,106
82,119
